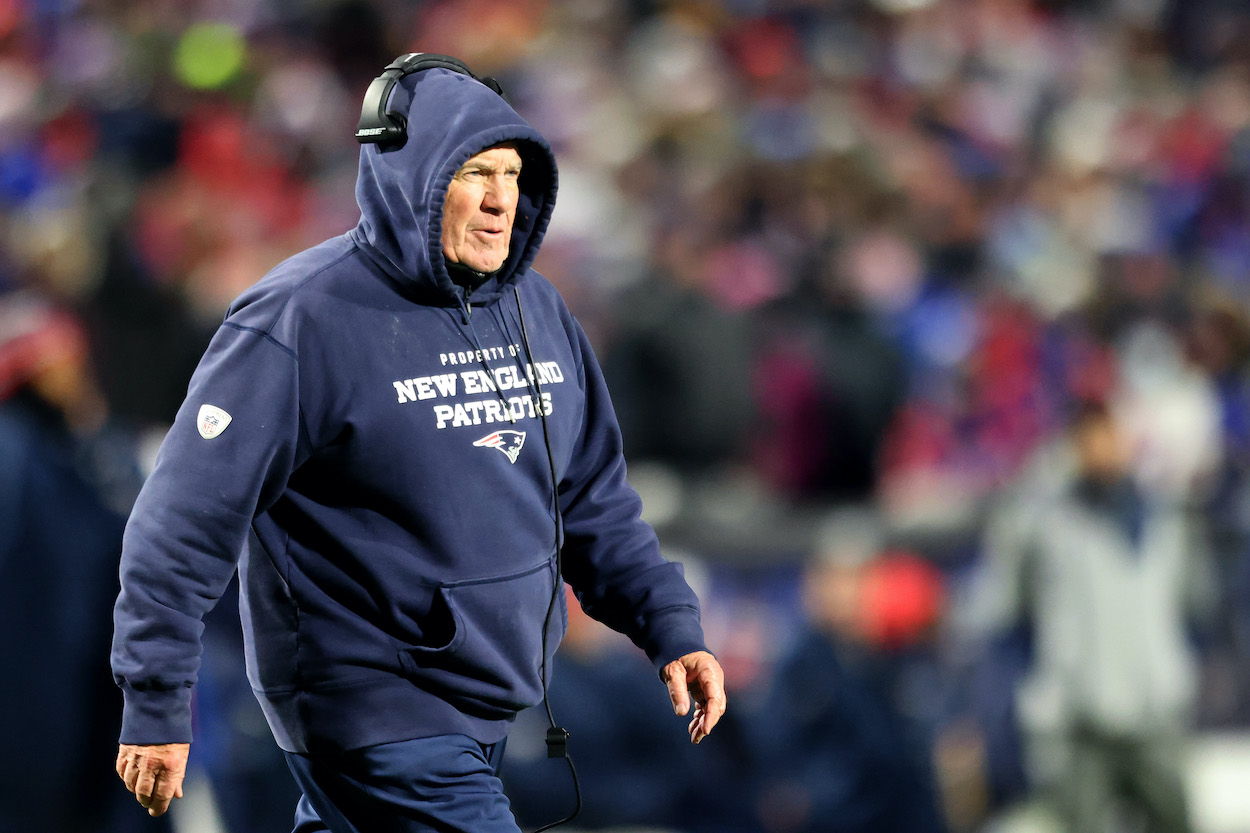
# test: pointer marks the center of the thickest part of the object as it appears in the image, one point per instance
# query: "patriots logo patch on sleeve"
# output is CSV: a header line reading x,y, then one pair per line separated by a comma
x,y
509,442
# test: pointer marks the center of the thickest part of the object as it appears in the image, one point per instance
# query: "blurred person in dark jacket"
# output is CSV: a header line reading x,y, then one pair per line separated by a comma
x,y
1110,576
680,364
842,751
68,474
827,382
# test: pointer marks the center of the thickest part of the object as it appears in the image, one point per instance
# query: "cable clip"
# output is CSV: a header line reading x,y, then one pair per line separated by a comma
x,y
557,742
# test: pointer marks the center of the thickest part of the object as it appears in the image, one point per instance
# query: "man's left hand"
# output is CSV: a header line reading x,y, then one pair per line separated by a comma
x,y
700,675
153,773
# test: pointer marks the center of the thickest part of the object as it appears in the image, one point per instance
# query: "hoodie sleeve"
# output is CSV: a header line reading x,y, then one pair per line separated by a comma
x,y
611,556
191,521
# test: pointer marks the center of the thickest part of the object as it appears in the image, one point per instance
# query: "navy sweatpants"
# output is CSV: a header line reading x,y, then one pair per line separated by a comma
x,y
445,784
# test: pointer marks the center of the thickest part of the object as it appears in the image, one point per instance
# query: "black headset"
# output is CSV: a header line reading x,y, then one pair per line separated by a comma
x,y
379,125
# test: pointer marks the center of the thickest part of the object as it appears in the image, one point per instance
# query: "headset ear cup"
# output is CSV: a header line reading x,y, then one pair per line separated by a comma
x,y
380,125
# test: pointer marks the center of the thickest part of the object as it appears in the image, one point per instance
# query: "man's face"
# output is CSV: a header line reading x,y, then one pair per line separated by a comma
x,y
480,207
1103,450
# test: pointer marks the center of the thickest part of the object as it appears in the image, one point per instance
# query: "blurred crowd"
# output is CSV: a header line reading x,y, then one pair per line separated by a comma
x,y
892,295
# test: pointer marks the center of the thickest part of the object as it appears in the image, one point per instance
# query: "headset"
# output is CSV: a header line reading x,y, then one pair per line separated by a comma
x,y
380,125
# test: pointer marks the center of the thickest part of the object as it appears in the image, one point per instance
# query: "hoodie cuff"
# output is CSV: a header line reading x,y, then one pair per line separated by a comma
x,y
673,633
152,716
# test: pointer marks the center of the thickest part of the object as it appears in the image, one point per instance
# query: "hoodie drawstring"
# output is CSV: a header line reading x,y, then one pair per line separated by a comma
x,y
466,317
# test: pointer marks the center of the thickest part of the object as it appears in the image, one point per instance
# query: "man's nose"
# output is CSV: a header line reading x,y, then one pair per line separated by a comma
x,y
495,197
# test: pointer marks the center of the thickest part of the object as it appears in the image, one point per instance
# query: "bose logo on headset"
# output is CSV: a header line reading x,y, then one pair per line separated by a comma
x,y
377,124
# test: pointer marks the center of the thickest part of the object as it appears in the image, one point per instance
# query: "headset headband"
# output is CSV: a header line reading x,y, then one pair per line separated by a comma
x,y
377,124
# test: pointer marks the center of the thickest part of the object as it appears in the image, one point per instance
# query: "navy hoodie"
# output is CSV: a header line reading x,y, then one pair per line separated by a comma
x,y
364,441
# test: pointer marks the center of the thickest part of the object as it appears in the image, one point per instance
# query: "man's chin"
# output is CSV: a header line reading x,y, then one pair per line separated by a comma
x,y
484,265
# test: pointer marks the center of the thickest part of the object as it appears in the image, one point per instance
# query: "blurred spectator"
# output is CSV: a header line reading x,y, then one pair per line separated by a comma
x,y
145,341
1110,575
676,367
828,382
844,749
68,474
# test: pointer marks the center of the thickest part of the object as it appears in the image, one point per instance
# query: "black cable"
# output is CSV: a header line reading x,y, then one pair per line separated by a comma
x,y
557,737
577,792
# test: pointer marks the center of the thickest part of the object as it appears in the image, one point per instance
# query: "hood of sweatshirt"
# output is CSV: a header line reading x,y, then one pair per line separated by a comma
x,y
401,189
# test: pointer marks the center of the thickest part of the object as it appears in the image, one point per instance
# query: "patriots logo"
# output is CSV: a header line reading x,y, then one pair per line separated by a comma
x,y
509,442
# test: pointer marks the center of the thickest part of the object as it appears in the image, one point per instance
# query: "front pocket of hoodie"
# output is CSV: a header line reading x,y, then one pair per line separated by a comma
x,y
490,666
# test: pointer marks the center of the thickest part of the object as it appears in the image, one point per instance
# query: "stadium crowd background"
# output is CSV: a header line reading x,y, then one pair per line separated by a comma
x,y
832,253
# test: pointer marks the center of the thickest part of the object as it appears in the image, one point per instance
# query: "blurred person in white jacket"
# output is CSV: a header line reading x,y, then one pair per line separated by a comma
x,y
1109,576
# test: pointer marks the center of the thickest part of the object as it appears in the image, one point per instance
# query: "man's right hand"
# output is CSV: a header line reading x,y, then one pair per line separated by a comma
x,y
153,773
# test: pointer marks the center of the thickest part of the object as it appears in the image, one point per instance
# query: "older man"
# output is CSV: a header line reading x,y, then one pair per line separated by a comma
x,y
405,437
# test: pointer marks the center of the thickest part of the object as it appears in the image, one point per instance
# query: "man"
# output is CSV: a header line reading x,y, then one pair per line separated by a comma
x,y
405,436
1110,577
65,463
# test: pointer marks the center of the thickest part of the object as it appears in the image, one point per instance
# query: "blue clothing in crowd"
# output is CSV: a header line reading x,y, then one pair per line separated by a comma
x,y
59,543
837,745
